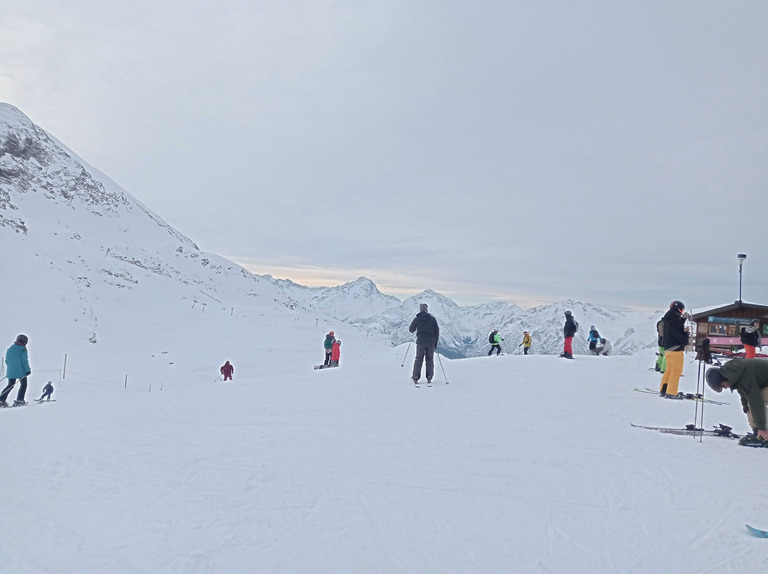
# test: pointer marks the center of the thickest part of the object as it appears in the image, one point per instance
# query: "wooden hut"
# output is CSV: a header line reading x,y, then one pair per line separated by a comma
x,y
723,324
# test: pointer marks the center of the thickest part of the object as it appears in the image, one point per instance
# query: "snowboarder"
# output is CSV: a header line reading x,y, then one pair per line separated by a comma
x,y
47,391
675,340
335,353
17,367
495,340
661,362
749,377
569,330
328,345
593,338
604,348
227,370
750,338
526,344
427,335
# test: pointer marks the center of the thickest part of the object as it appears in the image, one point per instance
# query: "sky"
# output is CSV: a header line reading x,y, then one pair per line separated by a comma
x,y
606,152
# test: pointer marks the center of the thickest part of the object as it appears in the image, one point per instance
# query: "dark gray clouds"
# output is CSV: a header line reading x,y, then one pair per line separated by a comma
x,y
531,151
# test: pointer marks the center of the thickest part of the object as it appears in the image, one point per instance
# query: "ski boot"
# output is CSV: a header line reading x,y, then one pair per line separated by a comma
x,y
19,403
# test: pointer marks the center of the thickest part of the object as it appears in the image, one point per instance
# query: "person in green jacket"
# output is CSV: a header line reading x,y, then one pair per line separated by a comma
x,y
749,377
328,346
495,340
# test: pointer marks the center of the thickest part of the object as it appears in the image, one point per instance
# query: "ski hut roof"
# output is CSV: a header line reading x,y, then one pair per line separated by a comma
x,y
735,309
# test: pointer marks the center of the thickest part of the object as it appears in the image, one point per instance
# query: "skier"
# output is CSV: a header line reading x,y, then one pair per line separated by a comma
x,y
661,362
593,338
750,378
526,344
17,367
604,348
327,345
335,353
675,340
227,370
750,338
495,340
569,330
427,334
47,391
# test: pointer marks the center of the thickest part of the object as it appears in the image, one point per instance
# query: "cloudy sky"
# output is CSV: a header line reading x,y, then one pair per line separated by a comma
x,y
607,151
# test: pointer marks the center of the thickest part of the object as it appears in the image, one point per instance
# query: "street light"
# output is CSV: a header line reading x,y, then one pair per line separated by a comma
x,y
742,257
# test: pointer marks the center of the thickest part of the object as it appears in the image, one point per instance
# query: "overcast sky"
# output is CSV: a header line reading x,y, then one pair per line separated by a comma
x,y
607,151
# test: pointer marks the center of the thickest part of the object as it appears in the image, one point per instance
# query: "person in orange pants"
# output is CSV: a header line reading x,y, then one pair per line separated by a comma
x,y
675,340
750,338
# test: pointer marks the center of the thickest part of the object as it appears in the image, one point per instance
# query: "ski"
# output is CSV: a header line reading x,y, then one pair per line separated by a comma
x,y
756,531
39,402
691,430
681,396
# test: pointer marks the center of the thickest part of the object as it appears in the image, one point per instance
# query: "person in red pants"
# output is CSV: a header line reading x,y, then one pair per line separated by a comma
x,y
227,370
569,330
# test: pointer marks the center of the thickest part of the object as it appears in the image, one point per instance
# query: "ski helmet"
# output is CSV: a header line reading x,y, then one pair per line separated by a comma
x,y
677,306
22,340
715,379
568,313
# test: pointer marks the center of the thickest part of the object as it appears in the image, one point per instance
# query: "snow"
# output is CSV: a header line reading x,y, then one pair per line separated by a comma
x,y
521,463
147,463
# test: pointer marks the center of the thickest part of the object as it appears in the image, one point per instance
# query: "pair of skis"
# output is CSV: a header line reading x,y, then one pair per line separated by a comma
x,y
681,396
691,430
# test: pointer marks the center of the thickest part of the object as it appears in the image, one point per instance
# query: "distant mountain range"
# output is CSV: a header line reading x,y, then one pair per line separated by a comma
x,y
67,226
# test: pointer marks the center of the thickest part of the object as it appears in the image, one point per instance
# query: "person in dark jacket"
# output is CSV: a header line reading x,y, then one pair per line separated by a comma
x,y
227,369
17,368
750,338
328,346
569,330
47,391
749,377
427,335
675,341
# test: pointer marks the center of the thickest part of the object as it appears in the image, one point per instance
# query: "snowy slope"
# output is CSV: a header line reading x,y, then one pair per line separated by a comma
x,y
146,463
521,464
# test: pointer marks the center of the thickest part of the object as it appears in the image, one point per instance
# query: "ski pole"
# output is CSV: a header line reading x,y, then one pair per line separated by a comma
x,y
217,378
406,354
439,360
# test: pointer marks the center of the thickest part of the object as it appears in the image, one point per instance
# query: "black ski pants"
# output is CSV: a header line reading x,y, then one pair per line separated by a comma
x,y
497,347
9,388
424,351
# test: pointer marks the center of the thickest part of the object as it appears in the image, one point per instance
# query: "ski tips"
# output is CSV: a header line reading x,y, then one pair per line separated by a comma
x,y
756,532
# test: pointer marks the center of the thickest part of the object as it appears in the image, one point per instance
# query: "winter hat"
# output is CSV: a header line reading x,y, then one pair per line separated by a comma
x,y
568,313
331,333
678,306
591,326
715,379
22,340
423,307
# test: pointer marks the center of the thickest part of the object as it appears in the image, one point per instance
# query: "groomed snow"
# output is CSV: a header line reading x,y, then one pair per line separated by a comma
x,y
520,464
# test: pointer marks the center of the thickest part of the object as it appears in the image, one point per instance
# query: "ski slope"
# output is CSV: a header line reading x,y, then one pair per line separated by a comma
x,y
520,464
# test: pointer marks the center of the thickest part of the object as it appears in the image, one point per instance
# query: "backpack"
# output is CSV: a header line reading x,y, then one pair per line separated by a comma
x,y
491,338
575,326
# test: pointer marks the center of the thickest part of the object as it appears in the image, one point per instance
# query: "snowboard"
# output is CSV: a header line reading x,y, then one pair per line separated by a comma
x,y
756,532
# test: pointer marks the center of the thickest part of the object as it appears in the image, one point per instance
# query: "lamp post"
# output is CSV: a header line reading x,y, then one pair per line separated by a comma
x,y
742,257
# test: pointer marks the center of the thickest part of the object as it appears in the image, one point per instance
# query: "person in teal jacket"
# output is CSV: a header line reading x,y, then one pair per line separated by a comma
x,y
17,367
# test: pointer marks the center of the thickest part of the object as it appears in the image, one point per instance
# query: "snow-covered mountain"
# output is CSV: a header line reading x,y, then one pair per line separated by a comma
x,y
94,249
464,330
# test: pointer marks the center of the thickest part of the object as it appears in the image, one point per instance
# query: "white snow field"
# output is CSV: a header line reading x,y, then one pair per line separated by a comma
x,y
520,464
